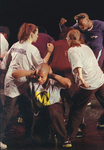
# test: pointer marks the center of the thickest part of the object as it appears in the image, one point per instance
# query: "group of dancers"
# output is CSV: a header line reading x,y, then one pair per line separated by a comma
x,y
69,68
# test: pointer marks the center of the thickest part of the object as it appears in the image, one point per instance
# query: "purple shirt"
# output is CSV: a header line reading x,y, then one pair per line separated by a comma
x,y
41,43
94,37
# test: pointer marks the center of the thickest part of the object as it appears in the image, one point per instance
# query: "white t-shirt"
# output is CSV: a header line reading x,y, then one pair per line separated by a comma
x,y
4,45
46,97
20,56
84,57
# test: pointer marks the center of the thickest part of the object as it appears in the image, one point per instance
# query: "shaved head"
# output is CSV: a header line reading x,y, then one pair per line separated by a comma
x,y
42,73
43,68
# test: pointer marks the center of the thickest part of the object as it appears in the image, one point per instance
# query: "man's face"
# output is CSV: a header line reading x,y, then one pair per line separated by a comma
x,y
83,24
42,77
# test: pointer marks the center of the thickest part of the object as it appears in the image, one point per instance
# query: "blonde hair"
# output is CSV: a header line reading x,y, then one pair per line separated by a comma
x,y
74,38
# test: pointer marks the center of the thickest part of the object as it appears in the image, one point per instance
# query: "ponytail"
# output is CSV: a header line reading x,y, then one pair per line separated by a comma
x,y
25,30
75,38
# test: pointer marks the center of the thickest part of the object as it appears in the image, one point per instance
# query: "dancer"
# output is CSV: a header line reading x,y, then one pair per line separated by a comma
x,y
4,45
22,55
92,33
88,75
46,101
43,38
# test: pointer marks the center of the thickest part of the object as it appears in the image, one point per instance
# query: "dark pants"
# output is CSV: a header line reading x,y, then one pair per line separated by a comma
x,y
80,100
50,117
25,109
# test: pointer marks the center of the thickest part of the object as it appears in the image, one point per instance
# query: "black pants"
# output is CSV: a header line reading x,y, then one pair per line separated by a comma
x,y
25,109
80,100
50,117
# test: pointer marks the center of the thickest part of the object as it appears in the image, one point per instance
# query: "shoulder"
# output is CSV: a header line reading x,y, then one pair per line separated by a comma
x,y
98,23
30,47
78,50
75,26
3,39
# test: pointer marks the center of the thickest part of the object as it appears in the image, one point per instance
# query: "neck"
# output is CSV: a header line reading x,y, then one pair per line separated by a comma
x,y
46,85
90,25
29,40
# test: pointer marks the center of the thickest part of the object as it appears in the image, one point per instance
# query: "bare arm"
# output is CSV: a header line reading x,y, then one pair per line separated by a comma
x,y
65,82
62,21
3,55
79,70
21,73
50,50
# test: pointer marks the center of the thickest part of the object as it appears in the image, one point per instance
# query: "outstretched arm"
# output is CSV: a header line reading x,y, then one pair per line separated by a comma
x,y
65,82
21,73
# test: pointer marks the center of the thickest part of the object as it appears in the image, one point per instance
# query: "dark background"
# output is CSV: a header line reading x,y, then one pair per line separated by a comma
x,y
46,13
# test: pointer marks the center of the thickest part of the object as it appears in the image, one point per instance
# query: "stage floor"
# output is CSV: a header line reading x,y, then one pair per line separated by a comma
x,y
93,140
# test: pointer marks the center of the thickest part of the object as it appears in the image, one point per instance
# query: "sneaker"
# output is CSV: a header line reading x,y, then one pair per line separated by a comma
x,y
100,121
89,104
67,144
80,133
82,125
2,146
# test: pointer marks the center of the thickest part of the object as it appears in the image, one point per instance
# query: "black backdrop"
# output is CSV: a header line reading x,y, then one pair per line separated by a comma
x,y
46,13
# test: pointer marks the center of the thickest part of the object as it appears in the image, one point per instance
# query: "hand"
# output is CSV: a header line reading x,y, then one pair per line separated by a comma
x,y
66,53
50,47
62,21
84,83
33,74
50,71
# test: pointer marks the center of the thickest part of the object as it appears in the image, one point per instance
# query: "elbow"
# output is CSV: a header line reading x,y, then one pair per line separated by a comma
x,y
14,75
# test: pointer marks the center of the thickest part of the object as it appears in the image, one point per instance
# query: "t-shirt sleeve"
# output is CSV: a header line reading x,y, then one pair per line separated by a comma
x,y
62,26
6,60
74,59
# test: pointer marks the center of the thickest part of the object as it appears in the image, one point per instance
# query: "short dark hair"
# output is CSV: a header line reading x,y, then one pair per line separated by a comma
x,y
4,29
81,16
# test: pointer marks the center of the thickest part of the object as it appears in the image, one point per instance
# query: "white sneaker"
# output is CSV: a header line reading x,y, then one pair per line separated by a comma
x,y
89,104
3,146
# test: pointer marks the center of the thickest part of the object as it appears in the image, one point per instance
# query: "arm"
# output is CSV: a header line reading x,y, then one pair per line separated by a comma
x,y
6,61
65,82
17,74
50,50
79,70
62,23
3,55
